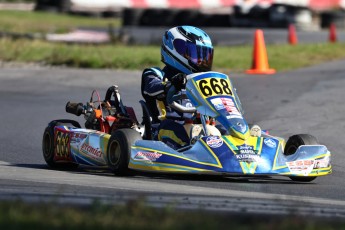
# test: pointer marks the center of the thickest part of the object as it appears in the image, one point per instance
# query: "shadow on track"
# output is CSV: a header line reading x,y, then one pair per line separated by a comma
x,y
177,178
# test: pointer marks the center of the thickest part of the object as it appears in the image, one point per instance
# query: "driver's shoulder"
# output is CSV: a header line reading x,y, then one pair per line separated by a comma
x,y
155,71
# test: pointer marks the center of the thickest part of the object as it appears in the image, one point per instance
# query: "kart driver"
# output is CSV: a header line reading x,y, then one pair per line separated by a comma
x,y
185,50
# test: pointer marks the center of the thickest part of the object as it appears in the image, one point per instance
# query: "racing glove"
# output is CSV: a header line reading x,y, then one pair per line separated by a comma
x,y
179,81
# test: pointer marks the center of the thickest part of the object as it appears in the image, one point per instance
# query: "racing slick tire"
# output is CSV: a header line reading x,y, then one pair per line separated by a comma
x,y
119,150
292,145
48,146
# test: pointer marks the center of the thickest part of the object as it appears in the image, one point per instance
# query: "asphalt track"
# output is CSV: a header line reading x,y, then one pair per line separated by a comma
x,y
309,100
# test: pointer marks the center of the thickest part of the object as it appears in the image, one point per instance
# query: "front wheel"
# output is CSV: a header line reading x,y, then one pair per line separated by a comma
x,y
291,147
119,150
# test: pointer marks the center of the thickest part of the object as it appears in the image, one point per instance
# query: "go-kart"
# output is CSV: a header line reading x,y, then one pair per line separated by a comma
x,y
235,149
66,145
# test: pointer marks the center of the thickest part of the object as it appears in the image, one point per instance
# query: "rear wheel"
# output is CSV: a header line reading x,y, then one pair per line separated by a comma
x,y
291,147
48,146
119,150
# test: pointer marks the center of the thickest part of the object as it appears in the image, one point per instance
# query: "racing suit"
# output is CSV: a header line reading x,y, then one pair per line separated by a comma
x,y
153,88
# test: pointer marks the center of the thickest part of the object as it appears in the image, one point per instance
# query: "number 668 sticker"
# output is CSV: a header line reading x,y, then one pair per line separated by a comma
x,y
214,86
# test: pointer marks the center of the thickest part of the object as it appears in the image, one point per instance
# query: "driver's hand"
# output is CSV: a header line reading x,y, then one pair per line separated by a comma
x,y
179,81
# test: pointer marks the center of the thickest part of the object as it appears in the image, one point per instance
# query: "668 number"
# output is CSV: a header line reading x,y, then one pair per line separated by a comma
x,y
214,87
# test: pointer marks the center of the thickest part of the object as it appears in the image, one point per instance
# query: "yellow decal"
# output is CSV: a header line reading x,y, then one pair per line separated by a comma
x,y
256,143
214,86
62,141
169,133
249,168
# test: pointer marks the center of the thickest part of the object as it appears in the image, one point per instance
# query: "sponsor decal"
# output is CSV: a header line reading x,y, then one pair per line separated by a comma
x,y
301,166
234,116
77,137
322,163
217,103
230,106
214,141
227,104
147,156
239,124
189,105
246,153
270,143
248,157
246,149
88,149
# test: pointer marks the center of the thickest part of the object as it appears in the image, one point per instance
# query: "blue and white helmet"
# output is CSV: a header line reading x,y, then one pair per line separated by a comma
x,y
187,49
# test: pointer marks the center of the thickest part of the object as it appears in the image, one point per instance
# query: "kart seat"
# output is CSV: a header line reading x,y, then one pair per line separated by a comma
x,y
147,121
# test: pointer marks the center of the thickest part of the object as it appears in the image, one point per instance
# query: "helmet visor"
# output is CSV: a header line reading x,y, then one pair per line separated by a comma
x,y
199,57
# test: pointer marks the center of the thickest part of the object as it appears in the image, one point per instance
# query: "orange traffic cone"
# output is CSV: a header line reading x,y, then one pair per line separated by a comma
x,y
332,33
292,37
260,60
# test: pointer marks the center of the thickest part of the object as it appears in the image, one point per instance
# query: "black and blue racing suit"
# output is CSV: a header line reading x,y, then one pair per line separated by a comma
x,y
154,87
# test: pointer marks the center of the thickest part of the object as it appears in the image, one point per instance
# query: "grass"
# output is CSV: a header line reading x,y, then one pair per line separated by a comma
x,y
135,215
42,22
118,56
281,57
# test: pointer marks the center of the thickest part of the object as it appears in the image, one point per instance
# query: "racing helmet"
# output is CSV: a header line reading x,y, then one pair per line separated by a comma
x,y
187,49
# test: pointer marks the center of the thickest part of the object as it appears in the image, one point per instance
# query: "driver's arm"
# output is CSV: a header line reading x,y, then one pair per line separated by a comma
x,y
153,86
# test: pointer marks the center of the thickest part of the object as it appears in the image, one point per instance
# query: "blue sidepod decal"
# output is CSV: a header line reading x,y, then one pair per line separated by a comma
x,y
225,155
216,154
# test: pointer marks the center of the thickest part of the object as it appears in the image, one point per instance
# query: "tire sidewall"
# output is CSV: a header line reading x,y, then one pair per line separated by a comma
x,y
122,139
296,141
117,141
292,145
48,146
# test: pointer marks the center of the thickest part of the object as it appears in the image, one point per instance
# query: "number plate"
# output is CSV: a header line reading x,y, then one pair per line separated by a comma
x,y
214,86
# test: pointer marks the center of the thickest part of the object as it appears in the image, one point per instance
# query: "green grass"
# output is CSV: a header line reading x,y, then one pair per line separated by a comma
x,y
118,56
135,215
280,57
41,22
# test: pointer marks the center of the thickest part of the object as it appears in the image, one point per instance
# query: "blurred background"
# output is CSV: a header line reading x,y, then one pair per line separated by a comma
x,y
305,14
142,22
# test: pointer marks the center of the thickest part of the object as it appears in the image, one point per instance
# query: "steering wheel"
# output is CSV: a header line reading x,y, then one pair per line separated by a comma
x,y
173,97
